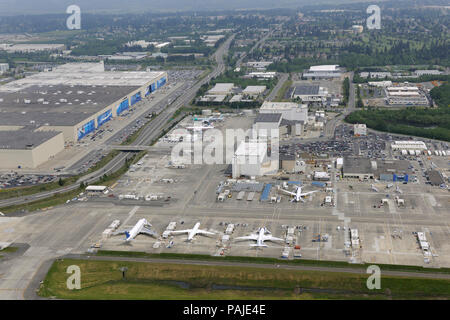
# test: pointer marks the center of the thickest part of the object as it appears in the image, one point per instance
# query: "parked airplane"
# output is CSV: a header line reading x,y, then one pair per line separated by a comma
x,y
200,128
209,119
142,226
298,194
192,232
262,235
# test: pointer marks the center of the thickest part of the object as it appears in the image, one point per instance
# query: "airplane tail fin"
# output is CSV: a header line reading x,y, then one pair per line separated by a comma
x,y
127,235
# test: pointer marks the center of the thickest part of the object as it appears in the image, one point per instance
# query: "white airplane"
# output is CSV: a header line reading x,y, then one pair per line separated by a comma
x,y
142,226
373,188
210,119
298,194
262,235
192,232
200,128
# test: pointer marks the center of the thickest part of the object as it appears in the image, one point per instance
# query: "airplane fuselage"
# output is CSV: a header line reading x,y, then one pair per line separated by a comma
x,y
193,232
135,230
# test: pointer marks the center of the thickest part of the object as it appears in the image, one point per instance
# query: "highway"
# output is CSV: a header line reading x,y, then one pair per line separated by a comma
x,y
283,78
150,132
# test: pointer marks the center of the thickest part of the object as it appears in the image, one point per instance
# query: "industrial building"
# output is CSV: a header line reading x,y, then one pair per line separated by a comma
x,y
310,93
409,145
4,67
406,95
275,121
251,159
385,170
289,110
259,65
73,99
221,89
254,91
323,72
29,48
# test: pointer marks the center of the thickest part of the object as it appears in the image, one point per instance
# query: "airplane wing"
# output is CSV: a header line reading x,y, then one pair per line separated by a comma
x,y
308,193
270,238
205,232
181,231
250,237
288,192
148,232
119,232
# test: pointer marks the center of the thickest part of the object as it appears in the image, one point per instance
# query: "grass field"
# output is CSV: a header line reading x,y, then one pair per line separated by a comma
x,y
266,260
103,280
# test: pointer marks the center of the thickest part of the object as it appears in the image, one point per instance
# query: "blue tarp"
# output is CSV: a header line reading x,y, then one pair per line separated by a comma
x,y
266,192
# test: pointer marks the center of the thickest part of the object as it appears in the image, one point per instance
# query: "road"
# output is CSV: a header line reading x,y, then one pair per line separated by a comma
x,y
149,133
283,78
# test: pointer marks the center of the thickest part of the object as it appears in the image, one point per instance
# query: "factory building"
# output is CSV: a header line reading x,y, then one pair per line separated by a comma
x,y
221,89
385,170
409,145
4,67
323,72
289,110
30,48
309,94
28,149
275,121
73,99
251,159
406,95
253,91
259,65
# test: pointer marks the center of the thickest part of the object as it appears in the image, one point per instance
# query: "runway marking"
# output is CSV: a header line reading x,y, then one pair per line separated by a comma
x,y
130,214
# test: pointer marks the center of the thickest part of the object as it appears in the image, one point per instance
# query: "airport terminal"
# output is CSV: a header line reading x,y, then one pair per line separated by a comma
x,y
74,99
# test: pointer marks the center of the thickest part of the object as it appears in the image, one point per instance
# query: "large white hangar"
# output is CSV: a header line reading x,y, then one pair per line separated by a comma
x,y
74,99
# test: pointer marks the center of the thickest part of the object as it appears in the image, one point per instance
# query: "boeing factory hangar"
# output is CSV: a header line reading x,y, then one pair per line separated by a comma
x,y
49,109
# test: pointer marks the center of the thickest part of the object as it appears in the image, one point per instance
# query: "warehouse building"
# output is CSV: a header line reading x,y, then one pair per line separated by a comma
x,y
406,95
27,148
409,145
309,94
385,170
323,72
251,159
289,110
73,99
221,89
254,91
